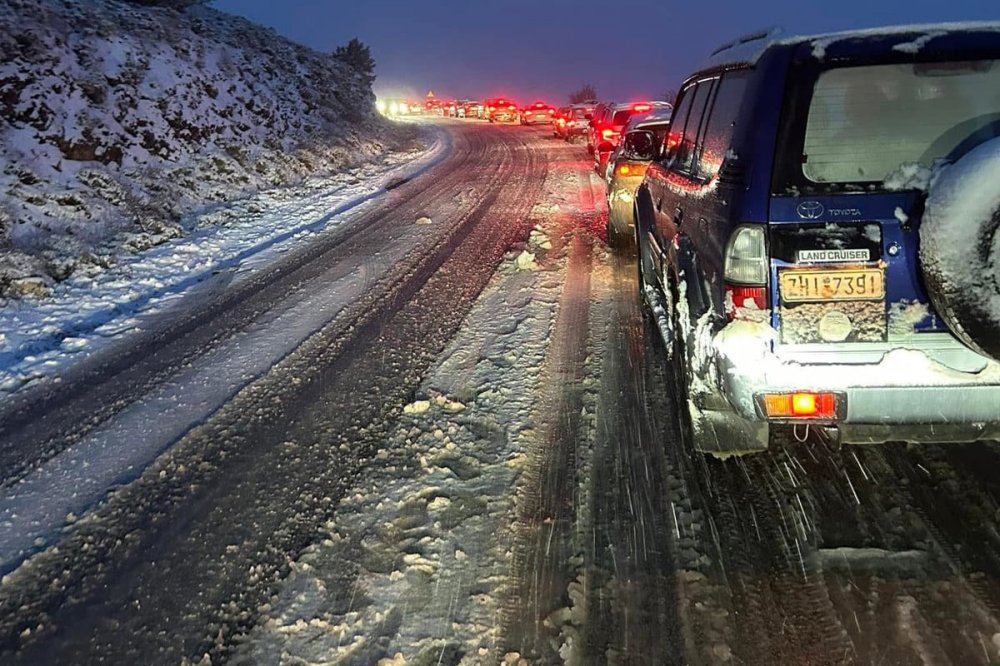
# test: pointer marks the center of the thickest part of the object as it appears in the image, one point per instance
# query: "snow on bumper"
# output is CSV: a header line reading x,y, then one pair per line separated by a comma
x,y
906,395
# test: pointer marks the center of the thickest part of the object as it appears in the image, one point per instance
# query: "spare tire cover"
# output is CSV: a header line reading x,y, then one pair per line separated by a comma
x,y
960,247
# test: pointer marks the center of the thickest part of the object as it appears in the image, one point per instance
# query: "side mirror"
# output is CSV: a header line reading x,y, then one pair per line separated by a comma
x,y
640,145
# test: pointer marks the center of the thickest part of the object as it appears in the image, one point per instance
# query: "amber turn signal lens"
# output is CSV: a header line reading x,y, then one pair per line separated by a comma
x,y
624,170
801,405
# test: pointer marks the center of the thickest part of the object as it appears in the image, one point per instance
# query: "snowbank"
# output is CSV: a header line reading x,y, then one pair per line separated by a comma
x,y
118,122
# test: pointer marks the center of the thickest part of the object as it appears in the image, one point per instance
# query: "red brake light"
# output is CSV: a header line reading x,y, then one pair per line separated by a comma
x,y
737,297
641,107
608,134
512,107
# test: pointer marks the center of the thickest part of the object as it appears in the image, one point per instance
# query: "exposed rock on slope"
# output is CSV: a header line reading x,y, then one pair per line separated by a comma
x,y
117,122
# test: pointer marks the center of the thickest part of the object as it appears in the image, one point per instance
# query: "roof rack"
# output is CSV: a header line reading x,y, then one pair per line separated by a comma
x,y
766,33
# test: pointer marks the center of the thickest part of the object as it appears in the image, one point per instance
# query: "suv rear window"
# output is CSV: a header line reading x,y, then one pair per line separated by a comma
x,y
580,113
621,117
865,123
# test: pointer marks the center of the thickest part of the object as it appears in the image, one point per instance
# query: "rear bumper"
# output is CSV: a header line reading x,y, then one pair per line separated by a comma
x,y
621,198
932,395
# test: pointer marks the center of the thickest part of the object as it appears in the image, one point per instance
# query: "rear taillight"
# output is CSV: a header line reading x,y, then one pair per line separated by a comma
x,y
552,112
562,122
608,134
803,405
512,107
746,298
746,271
624,170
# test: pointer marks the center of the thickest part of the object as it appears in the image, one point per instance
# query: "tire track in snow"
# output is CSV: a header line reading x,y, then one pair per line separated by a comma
x,y
545,536
631,587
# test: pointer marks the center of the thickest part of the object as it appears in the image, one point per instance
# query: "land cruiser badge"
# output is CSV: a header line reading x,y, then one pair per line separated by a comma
x,y
833,256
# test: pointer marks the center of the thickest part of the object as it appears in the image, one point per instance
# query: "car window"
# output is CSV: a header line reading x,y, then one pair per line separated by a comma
x,y
659,131
721,124
621,117
684,140
866,123
681,112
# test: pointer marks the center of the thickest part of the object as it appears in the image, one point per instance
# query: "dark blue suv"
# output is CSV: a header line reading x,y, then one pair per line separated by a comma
x,y
818,238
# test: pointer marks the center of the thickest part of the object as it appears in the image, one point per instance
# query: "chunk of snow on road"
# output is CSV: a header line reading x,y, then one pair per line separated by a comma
x,y
29,288
417,407
439,503
424,220
526,261
396,660
73,344
539,240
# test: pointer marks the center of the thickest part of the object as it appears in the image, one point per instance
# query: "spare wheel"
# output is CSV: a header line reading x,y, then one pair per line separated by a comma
x,y
960,247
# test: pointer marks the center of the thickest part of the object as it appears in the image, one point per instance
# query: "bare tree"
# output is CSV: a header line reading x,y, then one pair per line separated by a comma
x,y
670,95
586,93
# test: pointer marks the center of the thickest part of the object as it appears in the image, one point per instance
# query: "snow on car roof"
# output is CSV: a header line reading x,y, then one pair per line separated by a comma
x,y
748,49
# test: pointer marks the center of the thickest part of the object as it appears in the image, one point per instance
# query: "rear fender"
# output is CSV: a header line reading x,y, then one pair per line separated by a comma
x,y
681,262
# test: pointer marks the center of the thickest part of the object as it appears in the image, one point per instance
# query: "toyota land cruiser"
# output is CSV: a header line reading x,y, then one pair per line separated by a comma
x,y
818,239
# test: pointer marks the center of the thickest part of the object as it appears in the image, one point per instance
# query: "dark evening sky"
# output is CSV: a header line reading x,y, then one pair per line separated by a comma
x,y
546,48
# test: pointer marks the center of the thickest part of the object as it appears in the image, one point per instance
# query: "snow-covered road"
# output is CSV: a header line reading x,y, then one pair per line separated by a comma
x,y
458,442
41,338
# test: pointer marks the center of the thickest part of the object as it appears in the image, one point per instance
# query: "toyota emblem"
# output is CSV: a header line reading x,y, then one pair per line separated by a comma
x,y
810,210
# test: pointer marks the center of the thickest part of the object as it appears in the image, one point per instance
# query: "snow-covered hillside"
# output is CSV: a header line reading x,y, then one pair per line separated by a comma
x,y
118,123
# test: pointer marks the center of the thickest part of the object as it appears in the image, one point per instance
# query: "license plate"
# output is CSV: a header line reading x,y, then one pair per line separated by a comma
x,y
837,285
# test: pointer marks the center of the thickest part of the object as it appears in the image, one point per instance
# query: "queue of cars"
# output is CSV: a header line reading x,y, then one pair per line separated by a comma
x,y
494,109
816,232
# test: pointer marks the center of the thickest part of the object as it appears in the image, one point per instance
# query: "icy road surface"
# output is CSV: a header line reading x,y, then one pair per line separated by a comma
x,y
457,442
